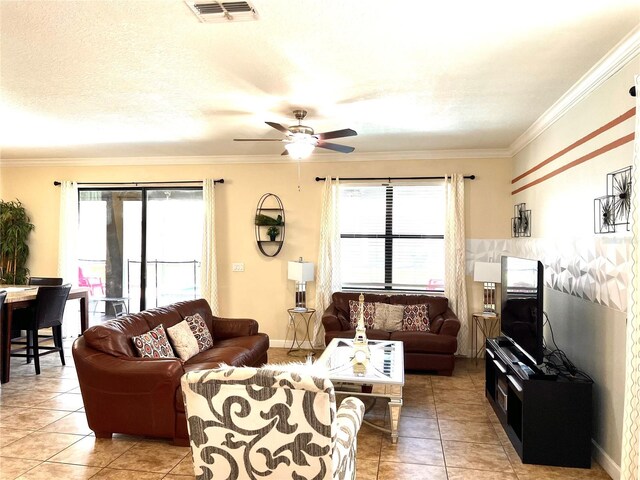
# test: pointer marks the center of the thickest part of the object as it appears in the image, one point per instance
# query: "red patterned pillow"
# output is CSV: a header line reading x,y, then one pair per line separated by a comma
x,y
416,318
369,313
154,344
200,331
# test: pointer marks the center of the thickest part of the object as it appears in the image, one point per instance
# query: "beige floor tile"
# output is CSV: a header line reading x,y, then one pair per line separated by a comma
x,y
367,469
91,451
468,474
369,443
9,435
39,445
463,413
31,418
460,396
476,432
114,474
24,398
170,476
185,467
11,468
398,471
64,401
74,422
427,410
453,383
150,457
418,427
476,456
412,450
48,471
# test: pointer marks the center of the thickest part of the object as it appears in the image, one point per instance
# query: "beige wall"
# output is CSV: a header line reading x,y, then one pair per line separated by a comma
x,y
262,290
592,335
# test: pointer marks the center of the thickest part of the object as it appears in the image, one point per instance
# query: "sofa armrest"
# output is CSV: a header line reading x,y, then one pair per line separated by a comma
x,y
127,394
348,422
233,327
451,324
330,319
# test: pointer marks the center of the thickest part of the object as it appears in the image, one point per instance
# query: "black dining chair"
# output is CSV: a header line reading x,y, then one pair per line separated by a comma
x,y
47,312
48,281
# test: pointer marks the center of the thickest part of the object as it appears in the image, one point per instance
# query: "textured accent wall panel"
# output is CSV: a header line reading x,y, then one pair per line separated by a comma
x,y
593,268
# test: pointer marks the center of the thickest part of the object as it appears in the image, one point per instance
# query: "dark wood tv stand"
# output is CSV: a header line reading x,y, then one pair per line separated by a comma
x,y
546,417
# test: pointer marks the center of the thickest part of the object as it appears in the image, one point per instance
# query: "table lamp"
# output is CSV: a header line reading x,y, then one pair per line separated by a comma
x,y
301,272
489,274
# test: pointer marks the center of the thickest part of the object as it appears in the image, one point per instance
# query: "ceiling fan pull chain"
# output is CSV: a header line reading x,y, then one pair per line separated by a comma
x,y
298,175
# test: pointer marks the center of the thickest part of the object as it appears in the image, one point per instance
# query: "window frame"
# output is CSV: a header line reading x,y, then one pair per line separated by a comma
x,y
389,237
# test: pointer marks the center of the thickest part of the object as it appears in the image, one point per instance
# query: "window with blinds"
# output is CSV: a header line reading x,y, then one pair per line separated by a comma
x,y
392,237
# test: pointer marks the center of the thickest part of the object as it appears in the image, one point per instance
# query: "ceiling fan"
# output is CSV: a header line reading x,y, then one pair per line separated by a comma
x,y
300,140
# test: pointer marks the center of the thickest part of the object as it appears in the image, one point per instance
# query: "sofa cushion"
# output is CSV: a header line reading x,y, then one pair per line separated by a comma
x,y
200,331
153,344
183,341
372,334
437,305
368,314
416,318
114,337
425,342
388,317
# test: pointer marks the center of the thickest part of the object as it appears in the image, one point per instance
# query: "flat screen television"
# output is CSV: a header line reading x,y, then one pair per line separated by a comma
x,y
521,305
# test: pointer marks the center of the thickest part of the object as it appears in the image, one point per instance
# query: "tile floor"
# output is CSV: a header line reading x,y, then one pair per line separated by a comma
x,y
447,431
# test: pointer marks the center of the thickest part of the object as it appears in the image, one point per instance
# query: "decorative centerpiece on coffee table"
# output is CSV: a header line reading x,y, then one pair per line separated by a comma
x,y
361,353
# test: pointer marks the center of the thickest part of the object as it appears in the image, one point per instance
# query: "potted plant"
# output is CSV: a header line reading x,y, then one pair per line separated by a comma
x,y
273,232
15,227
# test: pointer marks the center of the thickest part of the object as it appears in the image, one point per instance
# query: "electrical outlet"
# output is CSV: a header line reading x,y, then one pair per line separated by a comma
x,y
237,267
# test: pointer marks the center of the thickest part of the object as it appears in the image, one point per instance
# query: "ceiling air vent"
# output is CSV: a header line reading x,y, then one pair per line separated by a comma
x,y
208,11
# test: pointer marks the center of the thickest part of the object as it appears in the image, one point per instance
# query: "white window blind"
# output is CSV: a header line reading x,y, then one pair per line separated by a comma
x,y
392,237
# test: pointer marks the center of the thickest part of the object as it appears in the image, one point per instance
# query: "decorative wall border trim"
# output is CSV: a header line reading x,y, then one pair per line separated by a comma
x,y
625,116
609,65
578,161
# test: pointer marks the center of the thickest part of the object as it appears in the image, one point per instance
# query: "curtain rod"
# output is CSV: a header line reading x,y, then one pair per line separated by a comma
x,y
135,184
321,179
632,91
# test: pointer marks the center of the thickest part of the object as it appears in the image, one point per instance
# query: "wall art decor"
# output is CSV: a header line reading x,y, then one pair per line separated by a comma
x,y
612,210
521,222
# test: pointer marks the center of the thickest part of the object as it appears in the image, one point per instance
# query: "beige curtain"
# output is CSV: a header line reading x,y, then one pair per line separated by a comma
x,y
455,286
630,463
68,253
328,271
209,267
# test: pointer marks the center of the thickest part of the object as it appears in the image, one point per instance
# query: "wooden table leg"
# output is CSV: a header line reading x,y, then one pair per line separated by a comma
x,y
84,312
5,342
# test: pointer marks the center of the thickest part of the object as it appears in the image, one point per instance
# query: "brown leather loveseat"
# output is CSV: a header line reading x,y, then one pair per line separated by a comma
x,y
433,350
124,393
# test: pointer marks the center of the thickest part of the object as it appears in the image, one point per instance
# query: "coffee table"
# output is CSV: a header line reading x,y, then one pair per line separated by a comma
x,y
383,378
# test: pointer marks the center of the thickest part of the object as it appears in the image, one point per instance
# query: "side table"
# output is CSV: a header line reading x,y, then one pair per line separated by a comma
x,y
297,317
489,326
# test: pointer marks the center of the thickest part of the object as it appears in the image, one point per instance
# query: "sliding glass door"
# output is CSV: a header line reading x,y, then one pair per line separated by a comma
x,y
122,230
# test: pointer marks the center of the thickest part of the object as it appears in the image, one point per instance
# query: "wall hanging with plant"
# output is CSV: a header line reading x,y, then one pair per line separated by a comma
x,y
15,227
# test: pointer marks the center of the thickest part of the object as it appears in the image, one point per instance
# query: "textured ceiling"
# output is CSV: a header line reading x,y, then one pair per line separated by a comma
x,y
100,78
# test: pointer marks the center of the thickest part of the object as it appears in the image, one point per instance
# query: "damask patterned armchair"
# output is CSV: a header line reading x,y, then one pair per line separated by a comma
x,y
248,423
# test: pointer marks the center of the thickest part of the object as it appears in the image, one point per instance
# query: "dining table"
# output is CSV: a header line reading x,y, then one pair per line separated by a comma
x,y
24,296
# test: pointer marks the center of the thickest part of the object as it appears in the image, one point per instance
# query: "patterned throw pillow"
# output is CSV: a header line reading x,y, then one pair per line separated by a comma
x,y
183,340
416,318
154,344
388,317
369,310
200,331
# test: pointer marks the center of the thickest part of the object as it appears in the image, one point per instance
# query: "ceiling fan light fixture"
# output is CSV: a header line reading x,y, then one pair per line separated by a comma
x,y
299,150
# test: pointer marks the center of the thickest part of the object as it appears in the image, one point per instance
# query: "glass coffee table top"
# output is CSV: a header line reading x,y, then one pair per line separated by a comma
x,y
385,366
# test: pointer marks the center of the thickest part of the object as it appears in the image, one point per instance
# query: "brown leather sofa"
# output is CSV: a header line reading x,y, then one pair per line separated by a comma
x,y
124,393
432,351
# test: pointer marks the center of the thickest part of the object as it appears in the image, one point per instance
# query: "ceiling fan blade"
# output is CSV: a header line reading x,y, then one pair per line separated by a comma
x,y
345,132
336,147
286,152
278,127
257,139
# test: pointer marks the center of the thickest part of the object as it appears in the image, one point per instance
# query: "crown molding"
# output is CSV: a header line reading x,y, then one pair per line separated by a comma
x,y
238,160
610,64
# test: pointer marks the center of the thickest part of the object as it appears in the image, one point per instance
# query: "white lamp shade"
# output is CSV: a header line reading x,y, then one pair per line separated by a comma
x,y
486,272
299,150
300,271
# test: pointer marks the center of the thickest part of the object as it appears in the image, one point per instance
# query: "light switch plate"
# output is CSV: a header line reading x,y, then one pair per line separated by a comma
x,y
237,267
